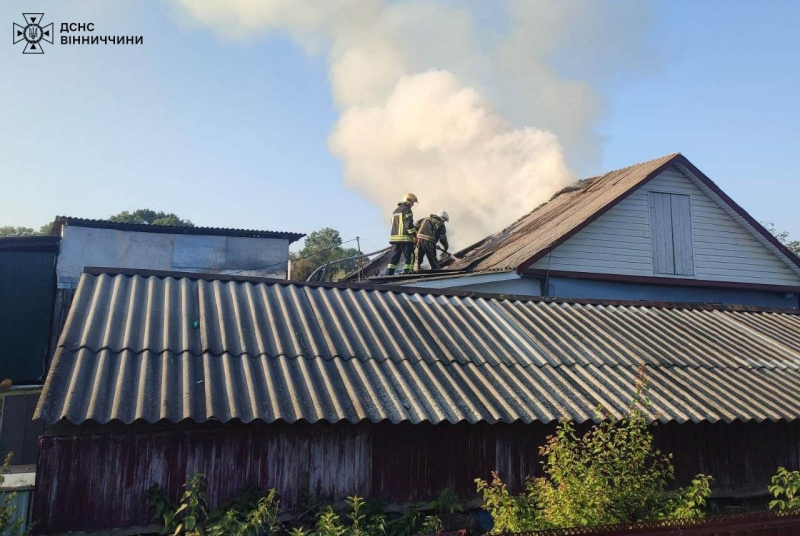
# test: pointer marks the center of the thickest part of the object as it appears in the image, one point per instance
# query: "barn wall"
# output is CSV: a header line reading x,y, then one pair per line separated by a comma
x,y
91,481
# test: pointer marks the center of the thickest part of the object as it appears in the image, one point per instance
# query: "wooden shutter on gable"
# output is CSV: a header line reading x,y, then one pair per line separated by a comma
x,y
671,233
682,234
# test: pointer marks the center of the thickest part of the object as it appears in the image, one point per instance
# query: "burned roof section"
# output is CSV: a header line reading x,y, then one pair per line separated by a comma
x,y
569,210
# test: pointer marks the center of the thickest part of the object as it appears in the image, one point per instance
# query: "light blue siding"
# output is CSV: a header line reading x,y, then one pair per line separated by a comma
x,y
558,287
610,290
723,248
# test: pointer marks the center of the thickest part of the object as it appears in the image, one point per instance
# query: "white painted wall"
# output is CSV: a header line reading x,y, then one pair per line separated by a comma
x,y
86,246
724,249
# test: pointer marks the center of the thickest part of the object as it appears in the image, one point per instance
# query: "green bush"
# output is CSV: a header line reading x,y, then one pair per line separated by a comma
x,y
251,513
405,524
446,502
613,473
329,523
8,510
784,488
254,513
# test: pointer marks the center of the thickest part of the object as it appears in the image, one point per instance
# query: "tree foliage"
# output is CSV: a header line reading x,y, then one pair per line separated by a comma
x,y
320,247
141,216
11,231
786,490
783,237
150,217
613,473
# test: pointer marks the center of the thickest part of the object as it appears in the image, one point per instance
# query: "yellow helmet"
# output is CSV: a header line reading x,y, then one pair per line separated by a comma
x,y
409,198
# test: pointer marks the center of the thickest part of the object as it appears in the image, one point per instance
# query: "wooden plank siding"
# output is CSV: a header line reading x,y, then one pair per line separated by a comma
x,y
619,242
671,229
663,247
681,206
19,433
96,478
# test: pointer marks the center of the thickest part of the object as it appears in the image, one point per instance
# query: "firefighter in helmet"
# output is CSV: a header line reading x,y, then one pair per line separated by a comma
x,y
404,235
431,230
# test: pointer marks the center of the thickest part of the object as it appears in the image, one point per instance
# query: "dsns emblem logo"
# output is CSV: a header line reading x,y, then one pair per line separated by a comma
x,y
33,33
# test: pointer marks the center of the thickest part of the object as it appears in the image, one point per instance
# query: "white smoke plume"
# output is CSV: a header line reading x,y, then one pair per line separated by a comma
x,y
435,100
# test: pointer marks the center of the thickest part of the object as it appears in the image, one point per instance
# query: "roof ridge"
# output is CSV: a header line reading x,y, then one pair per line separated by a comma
x,y
664,158
368,286
439,361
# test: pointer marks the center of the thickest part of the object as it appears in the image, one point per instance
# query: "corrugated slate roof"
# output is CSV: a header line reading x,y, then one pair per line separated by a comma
x,y
273,351
61,221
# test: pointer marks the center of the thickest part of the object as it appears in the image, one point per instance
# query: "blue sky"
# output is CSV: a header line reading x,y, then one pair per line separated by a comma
x,y
234,133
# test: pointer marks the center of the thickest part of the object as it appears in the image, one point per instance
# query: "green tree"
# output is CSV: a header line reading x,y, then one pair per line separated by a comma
x,y
320,247
142,216
11,231
150,217
783,237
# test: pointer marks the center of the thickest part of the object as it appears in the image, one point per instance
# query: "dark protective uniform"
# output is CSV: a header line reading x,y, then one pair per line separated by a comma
x,y
402,238
431,231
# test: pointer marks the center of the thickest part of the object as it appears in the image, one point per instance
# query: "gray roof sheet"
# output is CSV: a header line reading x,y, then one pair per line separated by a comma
x,y
277,351
61,221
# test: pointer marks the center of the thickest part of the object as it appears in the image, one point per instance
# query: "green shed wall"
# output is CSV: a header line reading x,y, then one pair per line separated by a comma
x,y
27,290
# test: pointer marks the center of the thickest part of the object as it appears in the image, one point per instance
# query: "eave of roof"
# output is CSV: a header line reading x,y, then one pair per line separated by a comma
x,y
61,221
48,244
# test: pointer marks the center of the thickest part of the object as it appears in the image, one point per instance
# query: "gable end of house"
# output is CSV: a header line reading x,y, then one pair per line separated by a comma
x,y
676,225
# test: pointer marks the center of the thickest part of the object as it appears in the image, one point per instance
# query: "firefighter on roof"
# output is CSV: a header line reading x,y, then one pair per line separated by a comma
x,y
404,235
431,230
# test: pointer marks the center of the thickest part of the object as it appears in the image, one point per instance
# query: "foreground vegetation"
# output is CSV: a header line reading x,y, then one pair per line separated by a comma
x,y
253,513
613,473
8,509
